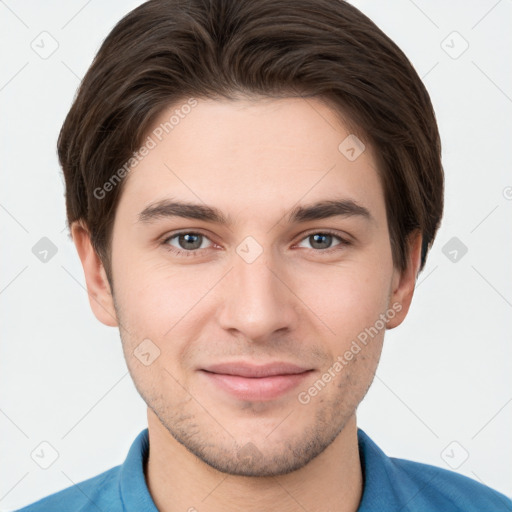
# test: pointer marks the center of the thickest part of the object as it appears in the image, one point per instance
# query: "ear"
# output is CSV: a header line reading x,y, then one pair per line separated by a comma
x,y
98,287
404,282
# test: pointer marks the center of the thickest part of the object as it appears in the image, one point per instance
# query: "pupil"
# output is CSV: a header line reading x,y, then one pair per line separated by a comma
x,y
318,240
190,239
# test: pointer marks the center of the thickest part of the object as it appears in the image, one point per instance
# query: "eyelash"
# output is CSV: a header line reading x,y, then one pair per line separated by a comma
x,y
195,252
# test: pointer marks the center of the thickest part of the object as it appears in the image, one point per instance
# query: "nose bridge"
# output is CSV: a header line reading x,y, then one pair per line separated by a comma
x,y
256,301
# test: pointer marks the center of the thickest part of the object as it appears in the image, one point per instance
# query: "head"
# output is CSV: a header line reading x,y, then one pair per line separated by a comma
x,y
250,182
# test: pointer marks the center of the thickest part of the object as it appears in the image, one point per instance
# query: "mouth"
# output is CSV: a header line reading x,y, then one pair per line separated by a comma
x,y
256,383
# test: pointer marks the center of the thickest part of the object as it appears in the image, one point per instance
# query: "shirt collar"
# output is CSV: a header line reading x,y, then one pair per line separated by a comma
x,y
132,483
378,491
379,475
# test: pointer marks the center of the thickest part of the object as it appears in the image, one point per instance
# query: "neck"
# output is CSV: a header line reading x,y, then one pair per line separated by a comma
x,y
179,481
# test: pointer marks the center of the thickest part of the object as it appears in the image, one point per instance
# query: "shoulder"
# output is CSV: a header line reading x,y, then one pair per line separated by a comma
x,y
397,484
100,492
436,488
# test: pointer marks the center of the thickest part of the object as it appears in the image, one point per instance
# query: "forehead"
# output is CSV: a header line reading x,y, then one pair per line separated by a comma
x,y
252,155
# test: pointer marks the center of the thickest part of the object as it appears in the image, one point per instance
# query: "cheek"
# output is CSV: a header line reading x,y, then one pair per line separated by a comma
x,y
347,298
158,301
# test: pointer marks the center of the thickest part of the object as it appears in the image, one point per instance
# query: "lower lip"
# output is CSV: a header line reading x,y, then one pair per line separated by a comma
x,y
257,389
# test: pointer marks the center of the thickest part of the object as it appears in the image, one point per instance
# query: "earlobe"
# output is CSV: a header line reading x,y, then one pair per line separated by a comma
x,y
404,282
98,287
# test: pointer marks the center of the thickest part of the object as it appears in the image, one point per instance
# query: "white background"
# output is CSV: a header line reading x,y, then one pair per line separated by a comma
x,y
445,374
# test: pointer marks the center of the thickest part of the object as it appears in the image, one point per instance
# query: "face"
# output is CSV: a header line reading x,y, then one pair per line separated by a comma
x,y
271,278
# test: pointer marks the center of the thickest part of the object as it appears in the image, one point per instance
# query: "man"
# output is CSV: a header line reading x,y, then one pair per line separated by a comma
x,y
252,188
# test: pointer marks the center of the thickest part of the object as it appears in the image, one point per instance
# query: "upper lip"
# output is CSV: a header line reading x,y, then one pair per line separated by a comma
x,y
243,369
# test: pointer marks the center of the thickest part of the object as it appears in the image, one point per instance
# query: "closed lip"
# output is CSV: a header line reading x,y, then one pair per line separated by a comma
x,y
243,369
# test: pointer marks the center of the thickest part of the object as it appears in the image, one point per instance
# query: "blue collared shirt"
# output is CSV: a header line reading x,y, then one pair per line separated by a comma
x,y
390,485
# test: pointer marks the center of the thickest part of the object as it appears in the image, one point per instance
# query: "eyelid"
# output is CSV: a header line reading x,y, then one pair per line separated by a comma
x,y
326,231
176,234
344,240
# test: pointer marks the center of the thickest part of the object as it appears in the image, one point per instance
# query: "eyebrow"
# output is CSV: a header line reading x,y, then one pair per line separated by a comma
x,y
321,210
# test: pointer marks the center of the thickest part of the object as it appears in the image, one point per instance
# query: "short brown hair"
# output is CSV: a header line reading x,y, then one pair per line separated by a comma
x,y
167,50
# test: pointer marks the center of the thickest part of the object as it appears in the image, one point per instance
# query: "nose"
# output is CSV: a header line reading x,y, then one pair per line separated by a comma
x,y
258,299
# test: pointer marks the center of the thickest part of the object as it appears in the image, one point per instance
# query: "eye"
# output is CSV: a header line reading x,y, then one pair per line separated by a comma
x,y
322,240
186,243
189,243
